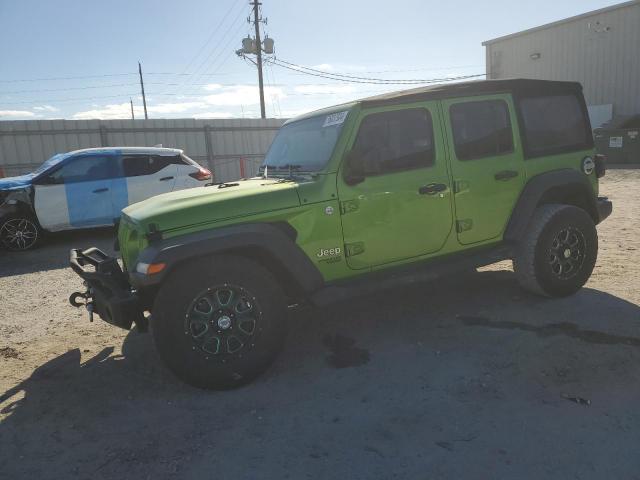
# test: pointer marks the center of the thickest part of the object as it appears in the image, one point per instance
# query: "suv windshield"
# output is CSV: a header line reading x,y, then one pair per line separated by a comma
x,y
305,144
57,158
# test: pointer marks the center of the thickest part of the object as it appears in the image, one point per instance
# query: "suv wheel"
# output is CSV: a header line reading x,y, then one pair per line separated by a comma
x,y
558,252
19,232
220,322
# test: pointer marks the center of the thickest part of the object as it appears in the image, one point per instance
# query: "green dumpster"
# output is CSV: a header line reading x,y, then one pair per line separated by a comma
x,y
619,141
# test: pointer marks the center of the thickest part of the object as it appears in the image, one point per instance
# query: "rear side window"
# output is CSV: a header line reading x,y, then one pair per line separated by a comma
x,y
395,141
137,165
481,129
553,124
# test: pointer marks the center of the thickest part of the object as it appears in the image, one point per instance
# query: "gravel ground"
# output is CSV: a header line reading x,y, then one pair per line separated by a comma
x,y
467,378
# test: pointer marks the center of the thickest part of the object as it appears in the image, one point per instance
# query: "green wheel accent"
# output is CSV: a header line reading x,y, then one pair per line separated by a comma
x,y
223,320
567,253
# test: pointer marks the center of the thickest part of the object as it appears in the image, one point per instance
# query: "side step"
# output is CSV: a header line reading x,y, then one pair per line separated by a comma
x,y
407,275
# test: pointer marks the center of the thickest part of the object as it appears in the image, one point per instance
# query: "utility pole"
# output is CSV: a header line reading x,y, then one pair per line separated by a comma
x,y
133,117
256,21
144,98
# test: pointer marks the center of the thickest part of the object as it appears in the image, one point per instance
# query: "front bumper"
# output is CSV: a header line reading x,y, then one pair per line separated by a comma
x,y
605,207
109,294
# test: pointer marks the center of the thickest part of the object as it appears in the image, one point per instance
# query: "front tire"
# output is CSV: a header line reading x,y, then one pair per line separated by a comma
x,y
219,322
19,232
558,252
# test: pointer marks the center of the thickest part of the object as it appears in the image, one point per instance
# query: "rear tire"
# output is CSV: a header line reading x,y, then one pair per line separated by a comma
x,y
556,256
219,322
19,232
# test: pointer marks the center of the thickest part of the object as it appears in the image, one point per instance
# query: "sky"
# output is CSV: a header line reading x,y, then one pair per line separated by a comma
x,y
78,59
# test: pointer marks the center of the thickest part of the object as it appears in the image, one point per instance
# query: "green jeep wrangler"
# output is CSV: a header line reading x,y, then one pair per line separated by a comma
x,y
392,189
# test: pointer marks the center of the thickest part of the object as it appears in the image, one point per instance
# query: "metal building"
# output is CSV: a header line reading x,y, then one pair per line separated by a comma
x,y
600,49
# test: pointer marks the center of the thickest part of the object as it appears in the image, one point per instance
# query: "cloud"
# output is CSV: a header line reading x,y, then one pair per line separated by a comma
x,y
321,89
123,110
214,115
327,67
239,94
45,108
16,113
110,112
175,107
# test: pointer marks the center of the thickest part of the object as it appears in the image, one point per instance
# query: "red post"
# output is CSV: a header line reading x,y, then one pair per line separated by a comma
x,y
242,174
1,172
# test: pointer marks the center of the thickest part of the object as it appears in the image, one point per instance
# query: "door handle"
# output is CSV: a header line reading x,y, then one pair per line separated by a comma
x,y
432,189
505,175
164,179
101,190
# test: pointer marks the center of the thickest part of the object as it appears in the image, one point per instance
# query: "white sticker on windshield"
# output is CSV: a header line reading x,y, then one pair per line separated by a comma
x,y
335,119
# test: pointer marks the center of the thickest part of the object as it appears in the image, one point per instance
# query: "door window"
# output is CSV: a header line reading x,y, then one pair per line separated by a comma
x,y
83,169
395,141
138,165
481,129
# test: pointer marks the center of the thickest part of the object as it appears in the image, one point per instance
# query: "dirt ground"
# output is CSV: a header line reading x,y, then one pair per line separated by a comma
x,y
466,378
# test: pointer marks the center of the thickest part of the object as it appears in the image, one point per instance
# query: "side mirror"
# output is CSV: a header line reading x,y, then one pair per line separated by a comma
x,y
354,171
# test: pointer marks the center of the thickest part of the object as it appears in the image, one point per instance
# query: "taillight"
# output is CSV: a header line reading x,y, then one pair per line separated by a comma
x,y
601,164
201,175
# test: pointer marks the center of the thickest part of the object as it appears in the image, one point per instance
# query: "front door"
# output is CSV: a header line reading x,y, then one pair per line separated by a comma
x,y
402,207
486,163
78,194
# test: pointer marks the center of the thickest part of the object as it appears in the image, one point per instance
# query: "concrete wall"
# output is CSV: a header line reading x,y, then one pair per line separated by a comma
x,y
599,49
216,144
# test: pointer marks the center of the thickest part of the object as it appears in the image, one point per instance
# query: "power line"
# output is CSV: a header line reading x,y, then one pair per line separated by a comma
x,y
65,100
420,69
213,33
380,81
68,89
66,78
187,74
358,79
197,73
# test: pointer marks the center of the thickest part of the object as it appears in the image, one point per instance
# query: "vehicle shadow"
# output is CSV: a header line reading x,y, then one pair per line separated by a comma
x,y
53,253
114,414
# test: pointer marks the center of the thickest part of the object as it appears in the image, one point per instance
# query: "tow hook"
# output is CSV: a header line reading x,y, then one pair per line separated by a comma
x,y
79,299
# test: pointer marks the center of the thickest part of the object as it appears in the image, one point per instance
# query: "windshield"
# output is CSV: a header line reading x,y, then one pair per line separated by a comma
x,y
305,145
57,158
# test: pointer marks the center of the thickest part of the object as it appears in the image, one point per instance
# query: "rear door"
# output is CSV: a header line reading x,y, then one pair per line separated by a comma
x,y
148,175
486,163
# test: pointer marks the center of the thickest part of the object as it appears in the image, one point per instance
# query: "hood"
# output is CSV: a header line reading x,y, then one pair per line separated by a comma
x,y
16,183
204,205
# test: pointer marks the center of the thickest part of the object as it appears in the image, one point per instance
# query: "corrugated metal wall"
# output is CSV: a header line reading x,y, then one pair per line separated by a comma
x,y
603,56
217,144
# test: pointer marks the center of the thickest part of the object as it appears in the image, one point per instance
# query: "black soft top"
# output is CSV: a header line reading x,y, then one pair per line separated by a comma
x,y
517,86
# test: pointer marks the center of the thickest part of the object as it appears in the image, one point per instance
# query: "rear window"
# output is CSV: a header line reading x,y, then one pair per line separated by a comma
x,y
481,129
554,124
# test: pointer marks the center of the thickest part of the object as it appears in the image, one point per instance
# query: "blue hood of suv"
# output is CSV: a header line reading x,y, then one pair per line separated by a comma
x,y
16,183
23,181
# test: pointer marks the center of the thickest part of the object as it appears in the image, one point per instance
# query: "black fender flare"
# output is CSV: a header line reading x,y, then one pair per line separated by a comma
x,y
277,240
556,186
